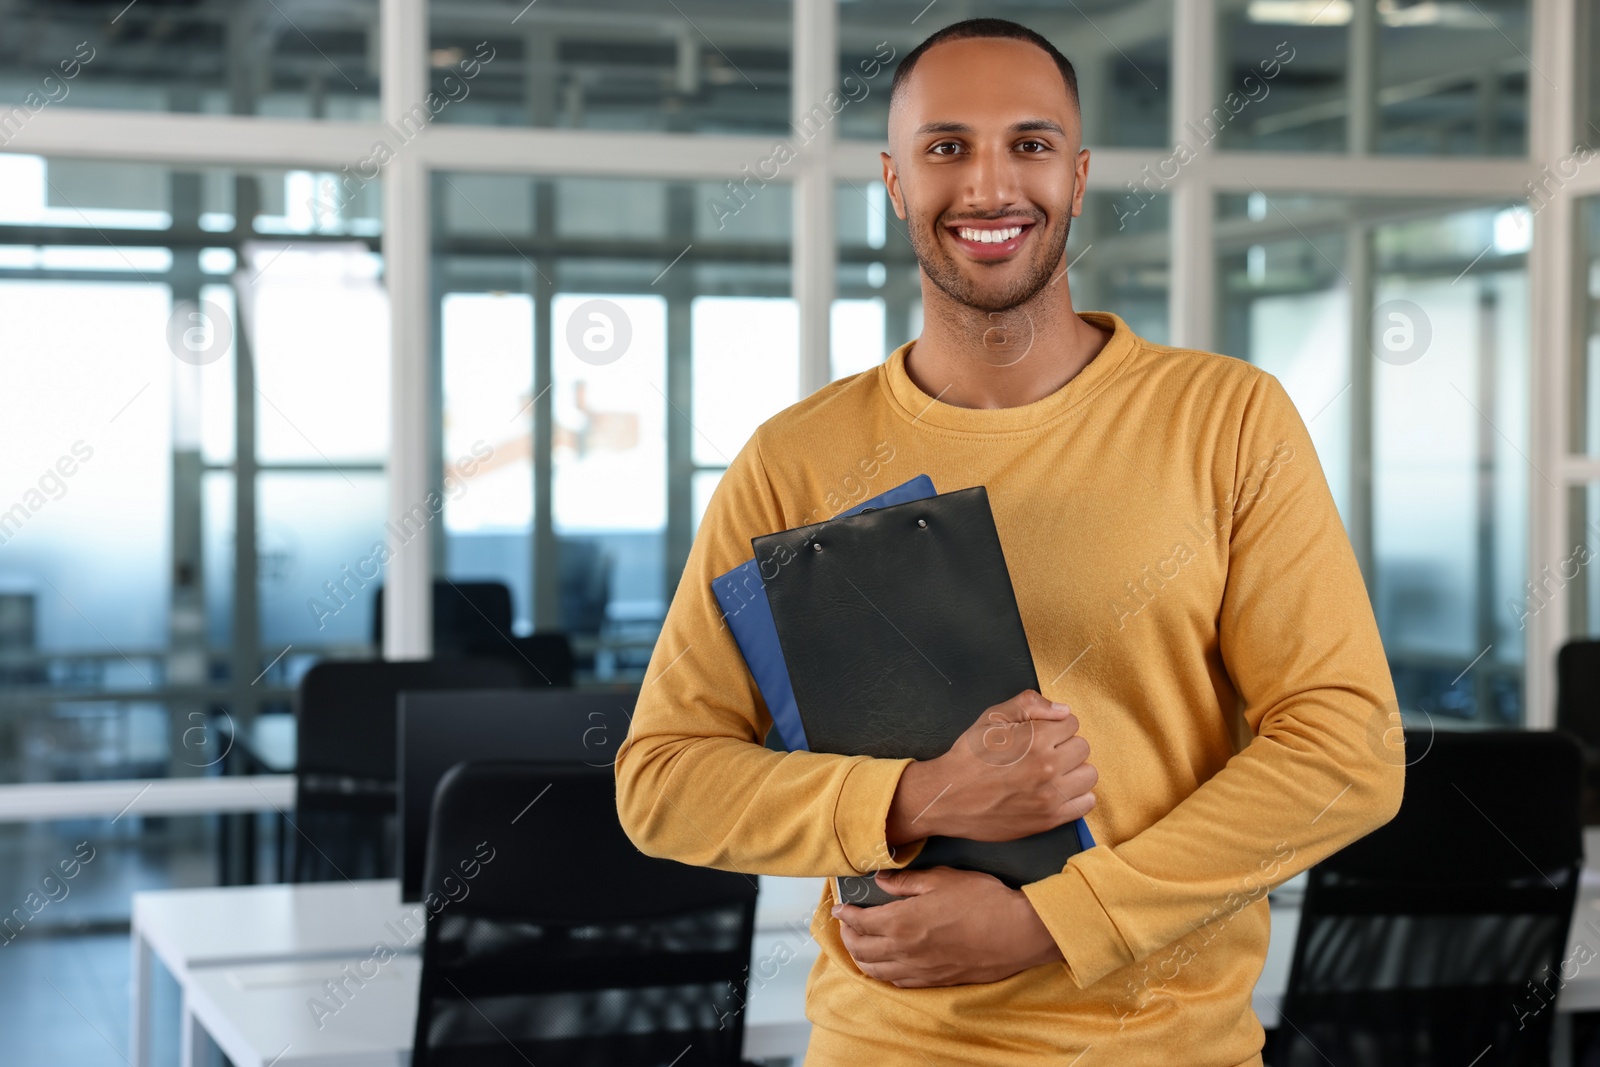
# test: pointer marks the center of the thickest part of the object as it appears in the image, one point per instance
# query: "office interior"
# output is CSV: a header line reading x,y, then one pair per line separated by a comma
x,y
294,371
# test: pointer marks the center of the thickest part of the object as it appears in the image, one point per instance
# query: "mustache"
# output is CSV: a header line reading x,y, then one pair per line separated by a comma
x,y
957,220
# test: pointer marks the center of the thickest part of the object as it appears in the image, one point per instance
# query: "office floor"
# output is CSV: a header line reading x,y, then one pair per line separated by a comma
x,y
64,956
65,1000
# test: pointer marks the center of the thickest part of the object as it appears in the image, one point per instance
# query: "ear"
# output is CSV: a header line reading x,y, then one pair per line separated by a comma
x,y
891,181
1082,182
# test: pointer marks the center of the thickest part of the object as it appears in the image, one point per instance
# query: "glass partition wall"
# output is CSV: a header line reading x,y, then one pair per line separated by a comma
x,y
273,279
1399,327
189,354
605,347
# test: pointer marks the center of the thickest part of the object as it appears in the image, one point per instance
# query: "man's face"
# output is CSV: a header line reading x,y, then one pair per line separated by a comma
x,y
986,169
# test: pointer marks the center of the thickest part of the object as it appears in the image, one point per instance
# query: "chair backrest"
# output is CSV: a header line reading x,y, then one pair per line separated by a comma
x,y
464,614
345,709
346,802
1578,690
1424,942
584,584
548,654
552,939
441,728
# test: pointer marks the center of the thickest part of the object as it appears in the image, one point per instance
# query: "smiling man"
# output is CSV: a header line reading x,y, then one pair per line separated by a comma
x,y
1187,589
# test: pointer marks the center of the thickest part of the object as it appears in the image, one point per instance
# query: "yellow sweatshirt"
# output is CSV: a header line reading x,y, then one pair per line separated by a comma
x,y
1186,586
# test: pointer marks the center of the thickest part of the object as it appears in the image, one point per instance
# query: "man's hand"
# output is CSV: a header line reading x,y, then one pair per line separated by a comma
x,y
1019,770
954,927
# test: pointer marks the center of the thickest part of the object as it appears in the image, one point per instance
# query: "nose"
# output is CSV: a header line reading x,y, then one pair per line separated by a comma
x,y
992,181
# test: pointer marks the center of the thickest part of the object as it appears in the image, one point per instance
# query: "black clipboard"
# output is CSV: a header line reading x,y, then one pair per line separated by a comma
x,y
899,627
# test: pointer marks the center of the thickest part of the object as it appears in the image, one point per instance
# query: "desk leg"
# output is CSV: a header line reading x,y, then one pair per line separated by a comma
x,y
191,1038
248,862
139,1002
283,847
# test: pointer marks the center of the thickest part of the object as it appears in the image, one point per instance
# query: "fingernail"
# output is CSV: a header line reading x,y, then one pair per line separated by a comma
x,y
1059,706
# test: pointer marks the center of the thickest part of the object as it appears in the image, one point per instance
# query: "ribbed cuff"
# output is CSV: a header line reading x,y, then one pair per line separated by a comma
x,y
1083,930
861,816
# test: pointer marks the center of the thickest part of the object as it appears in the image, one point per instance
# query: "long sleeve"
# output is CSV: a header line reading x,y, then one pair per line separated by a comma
x,y
1322,767
694,780
1186,586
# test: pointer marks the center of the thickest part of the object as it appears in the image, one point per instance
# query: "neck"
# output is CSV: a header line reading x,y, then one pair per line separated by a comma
x,y
971,358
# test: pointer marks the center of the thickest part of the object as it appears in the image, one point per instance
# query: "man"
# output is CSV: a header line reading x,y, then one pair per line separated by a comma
x,y
1186,587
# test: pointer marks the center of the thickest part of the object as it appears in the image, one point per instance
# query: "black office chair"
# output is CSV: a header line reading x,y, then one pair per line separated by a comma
x,y
583,582
1578,713
345,753
548,655
473,620
552,940
1418,943
464,614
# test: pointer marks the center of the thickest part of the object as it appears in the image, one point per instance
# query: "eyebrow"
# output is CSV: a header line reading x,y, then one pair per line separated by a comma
x,y
1025,126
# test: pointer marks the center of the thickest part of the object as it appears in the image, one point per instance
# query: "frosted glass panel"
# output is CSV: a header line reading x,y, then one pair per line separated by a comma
x,y
488,411
1304,340
85,465
693,273
1450,496
213,382
320,324
217,550
1436,500
1586,427
610,447
1425,447
320,557
856,331
487,371
746,369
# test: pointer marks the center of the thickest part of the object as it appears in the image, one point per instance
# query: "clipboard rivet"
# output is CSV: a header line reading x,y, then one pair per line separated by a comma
x,y
923,523
816,546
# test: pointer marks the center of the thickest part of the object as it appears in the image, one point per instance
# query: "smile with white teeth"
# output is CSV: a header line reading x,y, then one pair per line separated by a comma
x,y
988,236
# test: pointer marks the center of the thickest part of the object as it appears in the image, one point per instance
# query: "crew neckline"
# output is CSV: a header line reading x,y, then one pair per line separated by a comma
x,y
917,406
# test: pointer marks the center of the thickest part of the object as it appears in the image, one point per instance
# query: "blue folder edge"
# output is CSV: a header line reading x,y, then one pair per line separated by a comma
x,y
744,605
749,616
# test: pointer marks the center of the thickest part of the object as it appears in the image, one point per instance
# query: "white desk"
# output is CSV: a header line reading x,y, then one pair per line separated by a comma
x,y
259,1014
189,928
249,958
239,929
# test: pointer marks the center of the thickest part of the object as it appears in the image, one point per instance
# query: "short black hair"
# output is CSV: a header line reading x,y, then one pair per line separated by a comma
x,y
1002,28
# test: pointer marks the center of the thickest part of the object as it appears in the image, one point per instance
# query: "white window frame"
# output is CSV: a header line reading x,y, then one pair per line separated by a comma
x,y
404,45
